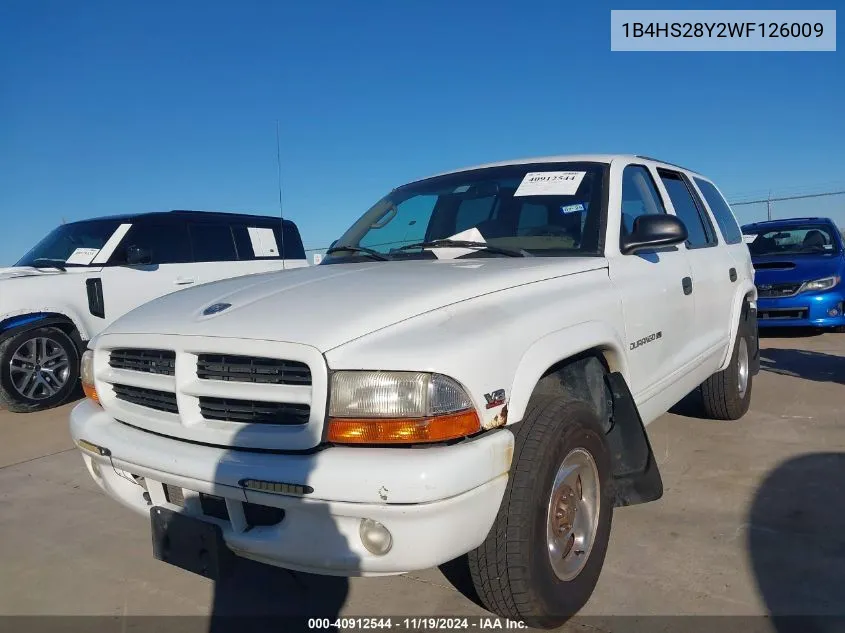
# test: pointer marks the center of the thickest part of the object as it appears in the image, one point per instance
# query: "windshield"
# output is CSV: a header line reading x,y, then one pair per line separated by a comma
x,y
61,243
792,240
544,209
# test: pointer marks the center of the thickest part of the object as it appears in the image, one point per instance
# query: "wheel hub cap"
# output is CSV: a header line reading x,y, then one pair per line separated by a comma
x,y
742,368
573,512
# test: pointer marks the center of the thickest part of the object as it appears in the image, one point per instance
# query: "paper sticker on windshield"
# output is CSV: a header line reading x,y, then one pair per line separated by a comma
x,y
550,183
83,256
572,208
263,242
748,238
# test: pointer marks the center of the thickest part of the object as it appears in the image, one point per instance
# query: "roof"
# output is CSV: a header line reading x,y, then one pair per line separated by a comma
x,y
567,158
185,215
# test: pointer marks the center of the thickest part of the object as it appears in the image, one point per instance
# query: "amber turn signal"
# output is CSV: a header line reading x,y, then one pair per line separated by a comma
x,y
403,431
90,392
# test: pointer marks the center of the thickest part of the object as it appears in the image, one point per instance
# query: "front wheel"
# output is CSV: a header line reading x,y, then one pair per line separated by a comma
x,y
541,560
39,369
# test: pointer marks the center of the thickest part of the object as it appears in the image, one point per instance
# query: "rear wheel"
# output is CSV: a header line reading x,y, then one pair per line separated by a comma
x,y
726,395
39,369
542,558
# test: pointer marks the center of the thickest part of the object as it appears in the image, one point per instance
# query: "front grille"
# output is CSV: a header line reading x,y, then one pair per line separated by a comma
x,y
214,506
151,361
151,398
253,412
777,290
269,371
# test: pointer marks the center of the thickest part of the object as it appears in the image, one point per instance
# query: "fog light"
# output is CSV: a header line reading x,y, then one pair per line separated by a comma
x,y
833,312
375,537
95,468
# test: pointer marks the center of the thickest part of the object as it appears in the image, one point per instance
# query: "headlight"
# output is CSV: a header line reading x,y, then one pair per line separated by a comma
x,y
819,284
86,374
383,407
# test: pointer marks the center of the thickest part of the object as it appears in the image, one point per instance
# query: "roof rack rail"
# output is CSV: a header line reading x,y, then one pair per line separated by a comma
x,y
657,160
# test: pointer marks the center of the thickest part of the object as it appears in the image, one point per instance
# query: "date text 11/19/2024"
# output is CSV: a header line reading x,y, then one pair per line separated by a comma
x,y
414,624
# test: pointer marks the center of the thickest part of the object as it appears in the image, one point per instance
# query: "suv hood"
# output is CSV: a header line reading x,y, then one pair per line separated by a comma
x,y
328,305
25,271
772,269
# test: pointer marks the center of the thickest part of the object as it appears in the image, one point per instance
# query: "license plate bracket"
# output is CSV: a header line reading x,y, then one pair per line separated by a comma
x,y
189,543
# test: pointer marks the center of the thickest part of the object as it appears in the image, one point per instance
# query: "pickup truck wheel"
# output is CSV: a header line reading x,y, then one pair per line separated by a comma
x,y
543,555
39,369
726,395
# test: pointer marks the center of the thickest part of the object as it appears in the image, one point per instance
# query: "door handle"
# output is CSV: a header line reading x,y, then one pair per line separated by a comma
x,y
732,273
183,281
686,283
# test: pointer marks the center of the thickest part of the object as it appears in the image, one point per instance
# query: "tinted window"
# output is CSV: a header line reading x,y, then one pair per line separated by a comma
x,y
532,216
721,211
686,209
213,243
292,243
293,248
639,196
166,243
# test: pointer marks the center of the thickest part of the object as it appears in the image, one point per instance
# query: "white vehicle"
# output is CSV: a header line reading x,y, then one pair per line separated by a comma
x,y
467,375
83,275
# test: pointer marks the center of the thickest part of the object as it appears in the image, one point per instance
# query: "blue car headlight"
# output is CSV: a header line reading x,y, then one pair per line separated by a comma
x,y
819,284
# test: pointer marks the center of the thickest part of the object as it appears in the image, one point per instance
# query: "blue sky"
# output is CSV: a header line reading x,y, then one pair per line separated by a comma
x,y
109,107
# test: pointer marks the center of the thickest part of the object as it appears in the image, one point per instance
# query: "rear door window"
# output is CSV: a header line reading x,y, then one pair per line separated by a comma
x,y
721,211
213,243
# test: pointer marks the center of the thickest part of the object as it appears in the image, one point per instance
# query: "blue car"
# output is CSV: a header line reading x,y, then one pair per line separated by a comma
x,y
799,266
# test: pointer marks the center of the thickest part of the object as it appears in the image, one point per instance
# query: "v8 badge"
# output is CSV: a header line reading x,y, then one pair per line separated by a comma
x,y
495,398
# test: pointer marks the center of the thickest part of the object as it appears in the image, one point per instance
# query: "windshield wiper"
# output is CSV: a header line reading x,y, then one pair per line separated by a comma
x,y
359,249
447,243
44,262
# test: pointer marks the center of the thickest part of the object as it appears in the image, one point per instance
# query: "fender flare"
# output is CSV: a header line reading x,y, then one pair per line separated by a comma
x,y
736,315
558,346
21,321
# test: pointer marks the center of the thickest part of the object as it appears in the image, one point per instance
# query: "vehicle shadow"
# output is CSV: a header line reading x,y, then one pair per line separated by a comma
x,y
796,543
255,596
809,365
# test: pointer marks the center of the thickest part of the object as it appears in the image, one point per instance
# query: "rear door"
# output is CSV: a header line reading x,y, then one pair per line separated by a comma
x,y
710,264
658,314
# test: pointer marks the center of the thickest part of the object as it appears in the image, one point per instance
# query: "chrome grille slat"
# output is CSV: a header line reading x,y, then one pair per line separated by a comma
x,y
153,361
228,367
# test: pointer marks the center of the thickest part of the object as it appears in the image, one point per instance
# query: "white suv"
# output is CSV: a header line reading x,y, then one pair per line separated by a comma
x,y
467,376
84,275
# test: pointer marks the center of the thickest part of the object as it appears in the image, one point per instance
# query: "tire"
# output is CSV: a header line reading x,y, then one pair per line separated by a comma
x,y
43,388
723,396
511,571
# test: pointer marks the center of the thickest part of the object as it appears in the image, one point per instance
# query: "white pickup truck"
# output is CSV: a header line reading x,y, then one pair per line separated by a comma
x,y
466,376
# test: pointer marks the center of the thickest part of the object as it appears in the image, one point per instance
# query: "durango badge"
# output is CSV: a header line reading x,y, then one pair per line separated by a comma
x,y
215,308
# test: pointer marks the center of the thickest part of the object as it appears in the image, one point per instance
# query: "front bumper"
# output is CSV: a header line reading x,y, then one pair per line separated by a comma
x,y
437,502
802,310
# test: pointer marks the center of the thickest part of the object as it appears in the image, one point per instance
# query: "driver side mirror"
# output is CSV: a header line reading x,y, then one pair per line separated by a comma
x,y
654,231
138,255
